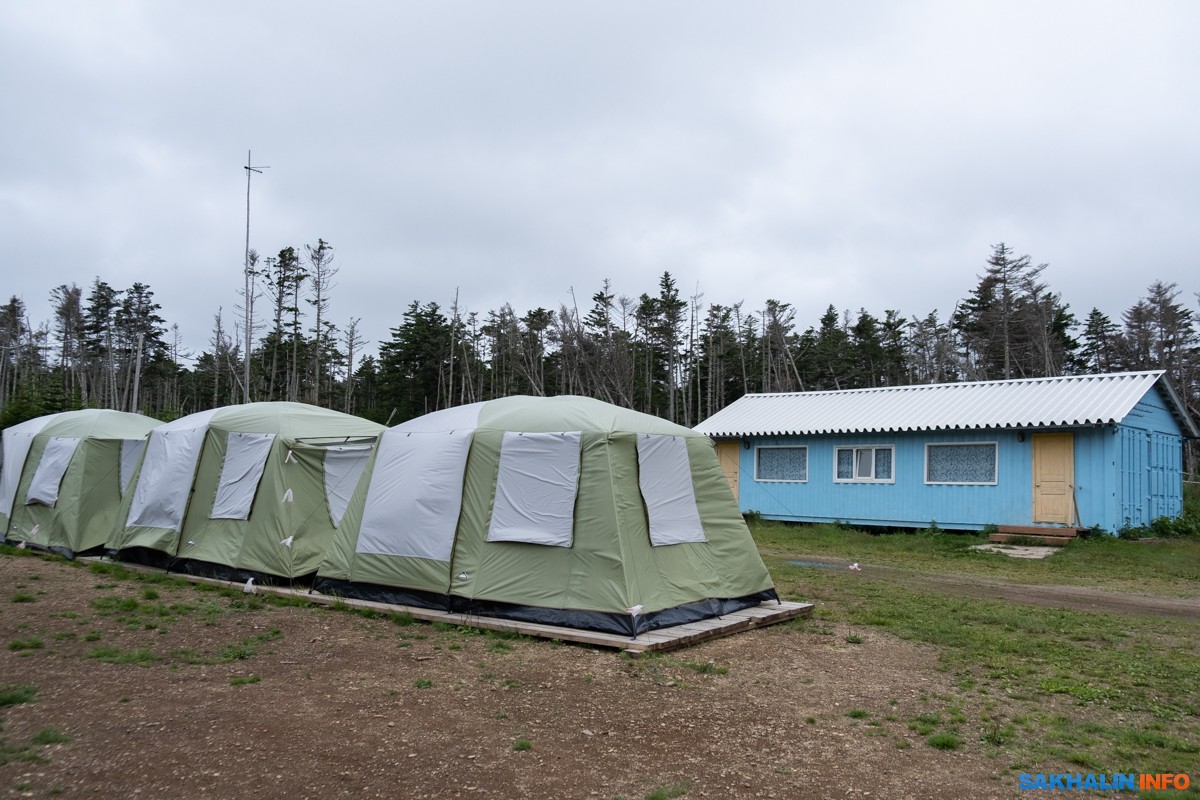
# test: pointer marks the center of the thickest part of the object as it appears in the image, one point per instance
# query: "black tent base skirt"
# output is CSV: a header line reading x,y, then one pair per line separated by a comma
x,y
157,559
604,622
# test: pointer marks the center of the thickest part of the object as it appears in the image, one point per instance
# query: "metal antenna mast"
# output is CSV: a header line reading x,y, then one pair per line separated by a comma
x,y
249,276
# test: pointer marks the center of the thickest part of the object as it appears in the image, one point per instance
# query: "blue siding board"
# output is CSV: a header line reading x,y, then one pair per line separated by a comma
x,y
1125,474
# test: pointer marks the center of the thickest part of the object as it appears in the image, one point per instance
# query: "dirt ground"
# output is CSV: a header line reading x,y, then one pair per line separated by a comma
x,y
327,704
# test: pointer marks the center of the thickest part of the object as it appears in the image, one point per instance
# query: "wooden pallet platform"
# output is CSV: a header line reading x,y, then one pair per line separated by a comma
x,y
767,613
1050,537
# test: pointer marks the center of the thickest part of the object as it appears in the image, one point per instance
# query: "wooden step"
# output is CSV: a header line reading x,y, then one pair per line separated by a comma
x,y
1045,536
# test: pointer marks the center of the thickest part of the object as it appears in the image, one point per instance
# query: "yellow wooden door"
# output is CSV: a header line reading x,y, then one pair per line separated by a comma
x,y
1054,478
729,454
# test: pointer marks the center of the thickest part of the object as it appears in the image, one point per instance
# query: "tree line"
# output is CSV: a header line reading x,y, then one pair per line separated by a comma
x,y
675,356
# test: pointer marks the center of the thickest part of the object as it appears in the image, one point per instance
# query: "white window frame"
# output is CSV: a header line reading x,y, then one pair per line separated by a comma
x,y
856,448
803,447
995,464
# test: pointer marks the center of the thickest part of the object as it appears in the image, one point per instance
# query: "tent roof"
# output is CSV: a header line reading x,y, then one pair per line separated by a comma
x,y
543,415
100,423
293,420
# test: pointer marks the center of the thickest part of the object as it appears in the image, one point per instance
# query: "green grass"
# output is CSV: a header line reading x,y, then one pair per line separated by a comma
x,y
945,740
115,655
521,745
1108,692
32,643
668,792
1169,567
422,683
15,695
51,736
244,681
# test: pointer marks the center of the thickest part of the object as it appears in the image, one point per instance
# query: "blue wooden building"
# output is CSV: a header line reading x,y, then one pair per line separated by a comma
x,y
1072,452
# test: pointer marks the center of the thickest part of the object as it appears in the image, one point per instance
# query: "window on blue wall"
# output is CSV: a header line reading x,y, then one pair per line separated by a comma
x,y
864,464
968,462
781,464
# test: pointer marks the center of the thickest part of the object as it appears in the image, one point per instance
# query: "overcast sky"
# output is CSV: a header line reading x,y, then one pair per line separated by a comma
x,y
860,154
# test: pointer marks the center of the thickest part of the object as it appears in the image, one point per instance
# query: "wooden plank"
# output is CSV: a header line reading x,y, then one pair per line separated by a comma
x,y
661,640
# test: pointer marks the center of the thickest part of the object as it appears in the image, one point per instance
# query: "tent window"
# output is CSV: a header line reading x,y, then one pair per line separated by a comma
x,y
16,448
344,465
245,459
47,478
131,453
415,495
536,488
165,482
665,478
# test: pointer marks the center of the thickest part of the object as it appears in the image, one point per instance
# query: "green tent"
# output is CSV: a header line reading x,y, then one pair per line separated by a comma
x,y
63,476
563,510
246,490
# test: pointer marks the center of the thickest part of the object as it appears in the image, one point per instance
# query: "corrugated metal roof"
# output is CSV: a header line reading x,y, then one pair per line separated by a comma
x,y
1025,403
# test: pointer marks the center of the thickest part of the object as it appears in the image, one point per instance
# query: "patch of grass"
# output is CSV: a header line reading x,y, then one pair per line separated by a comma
x,y
244,681
521,745
33,643
248,648
1110,678
22,597
149,594
114,655
925,724
1169,567
668,792
15,695
422,683
111,606
51,736
9,753
945,740
705,668
997,735
858,713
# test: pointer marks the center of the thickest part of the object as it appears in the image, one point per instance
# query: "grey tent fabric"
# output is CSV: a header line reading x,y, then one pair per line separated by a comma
x,y
536,488
131,453
16,443
416,495
165,482
665,479
245,458
344,465
47,478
